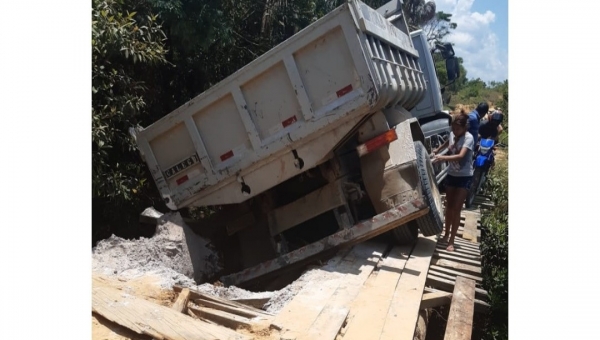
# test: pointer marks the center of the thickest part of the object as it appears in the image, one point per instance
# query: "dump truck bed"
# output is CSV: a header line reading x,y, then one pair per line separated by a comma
x,y
284,112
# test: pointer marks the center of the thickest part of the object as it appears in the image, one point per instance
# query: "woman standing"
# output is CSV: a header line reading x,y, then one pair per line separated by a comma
x,y
460,173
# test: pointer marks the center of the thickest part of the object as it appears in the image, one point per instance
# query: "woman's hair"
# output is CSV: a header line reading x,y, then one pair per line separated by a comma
x,y
461,118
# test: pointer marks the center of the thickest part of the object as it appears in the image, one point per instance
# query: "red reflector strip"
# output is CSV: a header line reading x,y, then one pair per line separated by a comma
x,y
182,179
226,155
377,142
289,121
344,91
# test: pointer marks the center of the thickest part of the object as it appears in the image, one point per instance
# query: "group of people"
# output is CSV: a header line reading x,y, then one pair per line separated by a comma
x,y
467,130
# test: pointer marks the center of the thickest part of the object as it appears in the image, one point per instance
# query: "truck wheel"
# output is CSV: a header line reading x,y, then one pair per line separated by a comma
x,y
431,223
406,234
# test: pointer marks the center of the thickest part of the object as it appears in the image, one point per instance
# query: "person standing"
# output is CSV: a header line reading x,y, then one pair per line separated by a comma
x,y
460,173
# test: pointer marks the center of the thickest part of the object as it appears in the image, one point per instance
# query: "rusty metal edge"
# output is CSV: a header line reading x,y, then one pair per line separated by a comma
x,y
359,232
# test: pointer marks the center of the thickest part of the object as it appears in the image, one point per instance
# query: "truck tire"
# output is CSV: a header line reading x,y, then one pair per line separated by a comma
x,y
406,234
432,223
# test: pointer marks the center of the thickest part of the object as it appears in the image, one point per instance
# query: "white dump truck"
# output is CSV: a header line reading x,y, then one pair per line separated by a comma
x,y
313,145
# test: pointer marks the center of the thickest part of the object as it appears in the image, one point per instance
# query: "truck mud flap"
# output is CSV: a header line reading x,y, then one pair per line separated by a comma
x,y
359,232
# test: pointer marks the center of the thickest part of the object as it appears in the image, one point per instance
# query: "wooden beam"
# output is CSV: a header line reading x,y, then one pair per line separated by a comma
x,y
460,318
145,317
404,310
182,300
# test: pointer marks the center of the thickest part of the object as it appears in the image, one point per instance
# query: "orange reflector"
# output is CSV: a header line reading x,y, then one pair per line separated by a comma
x,y
377,142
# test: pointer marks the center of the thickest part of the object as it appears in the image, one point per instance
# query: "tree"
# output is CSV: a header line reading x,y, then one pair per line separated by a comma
x,y
439,27
418,12
124,42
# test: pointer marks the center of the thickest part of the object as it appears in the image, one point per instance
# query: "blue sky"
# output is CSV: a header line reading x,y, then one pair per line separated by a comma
x,y
481,37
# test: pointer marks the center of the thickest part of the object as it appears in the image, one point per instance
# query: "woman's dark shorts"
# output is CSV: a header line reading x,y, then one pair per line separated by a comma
x,y
458,182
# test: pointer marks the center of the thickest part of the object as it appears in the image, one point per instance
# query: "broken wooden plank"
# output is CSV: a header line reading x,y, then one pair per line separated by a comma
x,y
371,306
300,314
223,318
227,308
448,285
467,268
402,315
145,317
194,294
182,301
256,303
436,299
460,318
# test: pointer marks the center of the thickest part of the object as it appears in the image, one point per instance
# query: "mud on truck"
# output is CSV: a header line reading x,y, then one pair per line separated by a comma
x,y
321,142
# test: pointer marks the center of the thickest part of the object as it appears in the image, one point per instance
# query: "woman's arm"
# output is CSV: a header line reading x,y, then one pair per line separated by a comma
x,y
441,147
461,154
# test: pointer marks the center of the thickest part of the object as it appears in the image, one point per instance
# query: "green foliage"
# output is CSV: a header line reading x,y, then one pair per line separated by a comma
x,y
494,251
124,41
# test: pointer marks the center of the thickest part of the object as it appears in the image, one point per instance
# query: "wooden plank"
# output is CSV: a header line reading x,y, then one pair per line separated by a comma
x,y
469,269
447,276
370,308
457,259
436,299
460,250
256,303
455,272
194,294
461,255
223,318
226,308
480,306
145,317
182,301
460,318
463,242
404,310
448,285
299,315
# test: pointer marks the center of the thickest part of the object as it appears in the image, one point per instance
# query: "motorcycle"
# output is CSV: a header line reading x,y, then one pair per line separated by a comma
x,y
482,164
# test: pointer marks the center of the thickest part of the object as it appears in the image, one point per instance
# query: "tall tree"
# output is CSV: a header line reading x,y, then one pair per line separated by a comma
x,y
439,27
418,12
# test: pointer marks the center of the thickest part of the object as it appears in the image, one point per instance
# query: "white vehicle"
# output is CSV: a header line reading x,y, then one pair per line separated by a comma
x,y
315,133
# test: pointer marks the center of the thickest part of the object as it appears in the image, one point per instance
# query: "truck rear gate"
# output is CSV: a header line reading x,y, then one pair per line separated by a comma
x,y
284,112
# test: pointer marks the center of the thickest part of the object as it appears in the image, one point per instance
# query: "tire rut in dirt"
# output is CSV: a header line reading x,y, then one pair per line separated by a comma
x,y
431,223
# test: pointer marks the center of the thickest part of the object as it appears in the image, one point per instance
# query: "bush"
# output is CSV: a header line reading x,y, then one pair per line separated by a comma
x,y
494,251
